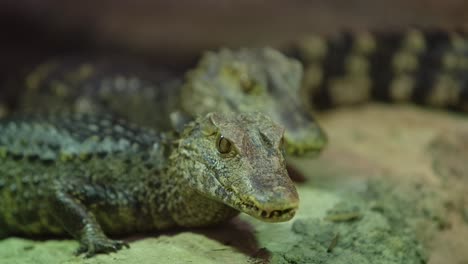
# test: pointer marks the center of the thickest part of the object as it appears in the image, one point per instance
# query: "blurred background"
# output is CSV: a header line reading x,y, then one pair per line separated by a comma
x,y
174,32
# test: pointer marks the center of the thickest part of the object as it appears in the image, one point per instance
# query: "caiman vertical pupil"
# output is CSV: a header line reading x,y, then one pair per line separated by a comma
x,y
224,145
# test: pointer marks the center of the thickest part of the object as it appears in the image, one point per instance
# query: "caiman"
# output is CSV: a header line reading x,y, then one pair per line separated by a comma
x,y
243,80
91,176
423,66
427,67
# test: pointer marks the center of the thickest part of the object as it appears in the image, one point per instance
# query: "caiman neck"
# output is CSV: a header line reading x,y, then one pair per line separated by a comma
x,y
188,206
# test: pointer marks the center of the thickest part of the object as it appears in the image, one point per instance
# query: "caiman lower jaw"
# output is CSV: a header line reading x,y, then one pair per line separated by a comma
x,y
279,215
303,153
297,145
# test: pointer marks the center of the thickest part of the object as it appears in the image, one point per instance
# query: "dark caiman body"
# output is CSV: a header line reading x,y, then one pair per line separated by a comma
x,y
426,67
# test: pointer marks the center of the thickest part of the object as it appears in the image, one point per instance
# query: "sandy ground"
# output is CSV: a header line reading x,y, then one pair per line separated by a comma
x,y
391,187
408,146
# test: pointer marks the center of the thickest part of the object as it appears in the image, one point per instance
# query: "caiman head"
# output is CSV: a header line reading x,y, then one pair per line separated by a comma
x,y
254,80
237,160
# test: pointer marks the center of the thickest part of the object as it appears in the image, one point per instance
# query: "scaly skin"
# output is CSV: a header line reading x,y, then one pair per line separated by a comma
x,y
125,88
428,67
245,80
92,176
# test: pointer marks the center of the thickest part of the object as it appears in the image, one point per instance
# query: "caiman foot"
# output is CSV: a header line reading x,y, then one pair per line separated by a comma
x,y
100,245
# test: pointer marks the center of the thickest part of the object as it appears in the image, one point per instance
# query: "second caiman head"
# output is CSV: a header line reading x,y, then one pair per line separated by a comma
x,y
249,80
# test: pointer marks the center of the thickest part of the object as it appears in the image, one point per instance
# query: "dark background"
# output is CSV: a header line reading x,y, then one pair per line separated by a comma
x,y
174,32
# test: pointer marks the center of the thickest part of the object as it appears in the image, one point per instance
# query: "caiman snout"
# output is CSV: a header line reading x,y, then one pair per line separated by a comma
x,y
303,135
305,141
277,205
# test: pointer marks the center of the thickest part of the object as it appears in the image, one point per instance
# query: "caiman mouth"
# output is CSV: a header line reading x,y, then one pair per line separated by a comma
x,y
304,145
277,215
298,151
281,213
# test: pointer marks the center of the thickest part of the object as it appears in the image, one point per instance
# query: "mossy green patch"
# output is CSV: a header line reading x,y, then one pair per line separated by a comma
x,y
315,237
17,250
182,248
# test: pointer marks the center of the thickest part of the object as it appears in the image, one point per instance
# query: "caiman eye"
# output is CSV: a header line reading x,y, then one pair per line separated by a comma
x,y
224,145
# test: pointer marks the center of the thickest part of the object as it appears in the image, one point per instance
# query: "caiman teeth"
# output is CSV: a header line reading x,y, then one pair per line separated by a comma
x,y
272,215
